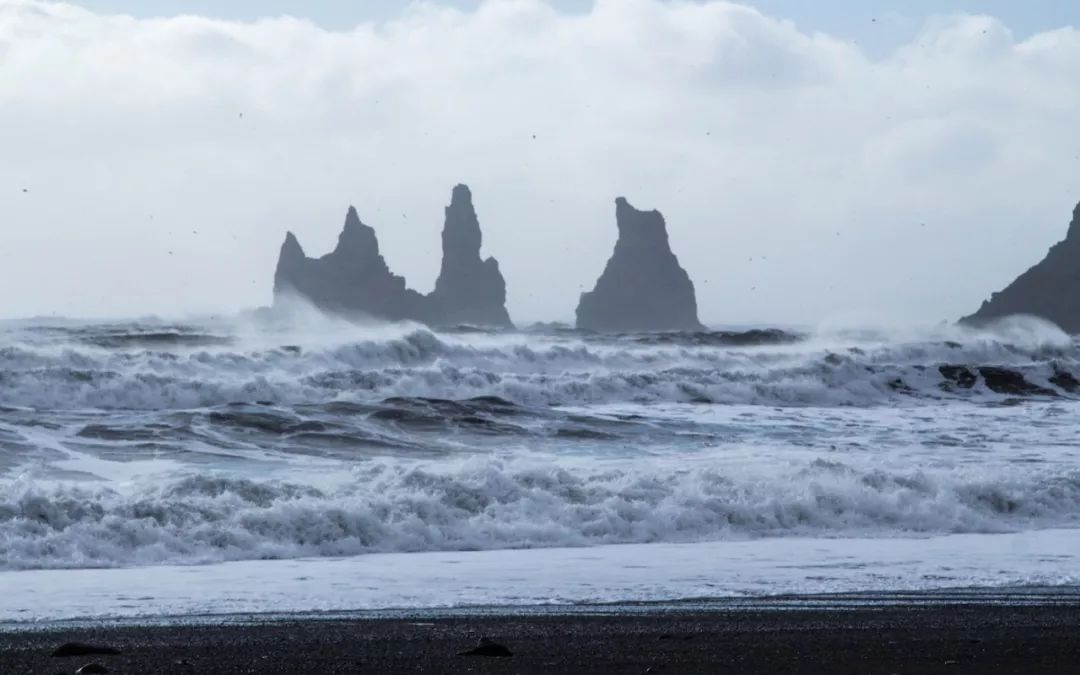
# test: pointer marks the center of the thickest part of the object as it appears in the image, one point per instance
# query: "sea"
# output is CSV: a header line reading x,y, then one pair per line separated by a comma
x,y
290,463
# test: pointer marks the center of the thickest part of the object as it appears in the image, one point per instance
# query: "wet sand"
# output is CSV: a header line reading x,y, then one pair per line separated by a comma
x,y
950,636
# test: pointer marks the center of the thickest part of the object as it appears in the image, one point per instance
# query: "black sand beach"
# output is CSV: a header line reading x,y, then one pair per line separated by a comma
x,y
1039,634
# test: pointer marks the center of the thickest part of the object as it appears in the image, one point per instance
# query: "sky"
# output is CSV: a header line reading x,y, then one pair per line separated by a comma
x,y
814,161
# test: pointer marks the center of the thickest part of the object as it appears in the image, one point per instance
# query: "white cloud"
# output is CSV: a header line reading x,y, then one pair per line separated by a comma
x,y
912,186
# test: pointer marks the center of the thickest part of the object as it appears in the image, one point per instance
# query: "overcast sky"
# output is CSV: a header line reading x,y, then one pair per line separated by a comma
x,y
814,160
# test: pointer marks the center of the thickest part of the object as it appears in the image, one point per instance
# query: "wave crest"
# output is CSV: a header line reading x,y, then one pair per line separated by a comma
x,y
202,370
496,504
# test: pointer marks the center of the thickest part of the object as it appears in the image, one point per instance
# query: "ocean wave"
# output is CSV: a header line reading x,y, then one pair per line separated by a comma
x,y
163,366
202,381
485,503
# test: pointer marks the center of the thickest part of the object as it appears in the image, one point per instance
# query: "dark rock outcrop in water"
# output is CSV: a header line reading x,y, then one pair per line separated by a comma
x,y
1050,290
469,290
643,288
999,380
354,280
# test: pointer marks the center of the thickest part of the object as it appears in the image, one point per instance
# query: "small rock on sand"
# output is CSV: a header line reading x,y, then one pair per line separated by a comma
x,y
81,649
488,648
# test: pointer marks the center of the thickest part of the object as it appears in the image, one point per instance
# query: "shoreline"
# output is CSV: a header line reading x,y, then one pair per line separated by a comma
x,y
627,574
1014,596
962,630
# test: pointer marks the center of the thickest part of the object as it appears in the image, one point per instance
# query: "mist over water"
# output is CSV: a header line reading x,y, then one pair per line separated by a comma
x,y
294,435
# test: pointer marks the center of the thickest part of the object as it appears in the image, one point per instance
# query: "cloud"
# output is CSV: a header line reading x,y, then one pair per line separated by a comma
x,y
165,158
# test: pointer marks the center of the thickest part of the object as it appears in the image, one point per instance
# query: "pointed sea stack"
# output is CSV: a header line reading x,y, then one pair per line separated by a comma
x,y
1049,290
469,290
643,288
353,280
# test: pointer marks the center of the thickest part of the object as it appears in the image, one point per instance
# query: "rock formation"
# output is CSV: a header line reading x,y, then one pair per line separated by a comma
x,y
643,288
1050,290
469,290
354,279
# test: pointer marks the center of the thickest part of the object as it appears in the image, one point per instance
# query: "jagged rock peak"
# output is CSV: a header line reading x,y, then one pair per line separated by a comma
x,y
354,279
461,231
1049,290
643,287
1074,227
469,290
640,228
356,236
291,248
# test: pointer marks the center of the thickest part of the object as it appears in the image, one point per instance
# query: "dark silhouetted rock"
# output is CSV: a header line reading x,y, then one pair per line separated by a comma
x,y
79,649
959,375
469,290
1050,290
749,338
354,280
998,380
1066,380
643,288
488,648
1005,381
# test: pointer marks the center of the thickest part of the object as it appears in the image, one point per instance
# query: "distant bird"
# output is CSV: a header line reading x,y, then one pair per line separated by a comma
x,y
25,190
534,137
241,115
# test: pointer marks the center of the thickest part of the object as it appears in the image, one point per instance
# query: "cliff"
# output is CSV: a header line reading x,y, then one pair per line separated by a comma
x,y
1050,289
354,279
469,290
643,287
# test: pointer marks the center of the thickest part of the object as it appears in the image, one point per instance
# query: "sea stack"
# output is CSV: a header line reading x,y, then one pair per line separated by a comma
x,y
643,288
1049,290
354,280
469,290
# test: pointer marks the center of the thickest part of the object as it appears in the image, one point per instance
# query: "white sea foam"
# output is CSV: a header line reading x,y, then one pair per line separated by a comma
x,y
525,502
832,367
1046,562
150,444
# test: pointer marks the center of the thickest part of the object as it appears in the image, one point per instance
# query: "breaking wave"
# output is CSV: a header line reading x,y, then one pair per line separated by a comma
x,y
170,367
484,503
